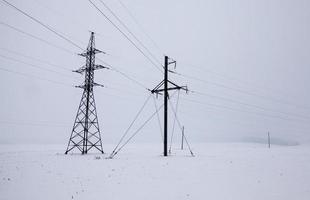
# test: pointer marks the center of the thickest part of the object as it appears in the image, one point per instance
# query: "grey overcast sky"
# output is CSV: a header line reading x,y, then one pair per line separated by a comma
x,y
247,60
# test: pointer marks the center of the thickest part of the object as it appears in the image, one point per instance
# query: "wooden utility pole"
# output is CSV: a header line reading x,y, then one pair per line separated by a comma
x,y
165,90
166,108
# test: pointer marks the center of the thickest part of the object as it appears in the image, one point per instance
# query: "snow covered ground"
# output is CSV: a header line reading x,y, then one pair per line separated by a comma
x,y
218,171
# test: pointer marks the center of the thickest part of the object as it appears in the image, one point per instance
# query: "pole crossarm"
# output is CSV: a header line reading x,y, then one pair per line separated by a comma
x,y
171,88
159,90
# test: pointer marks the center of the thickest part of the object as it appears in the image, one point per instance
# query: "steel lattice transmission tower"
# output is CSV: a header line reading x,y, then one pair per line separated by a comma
x,y
85,133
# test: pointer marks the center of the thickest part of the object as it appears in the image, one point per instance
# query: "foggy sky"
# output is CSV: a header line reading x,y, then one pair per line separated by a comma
x,y
258,50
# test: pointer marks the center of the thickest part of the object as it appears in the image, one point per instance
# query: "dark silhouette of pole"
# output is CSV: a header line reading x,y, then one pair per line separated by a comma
x,y
182,138
166,107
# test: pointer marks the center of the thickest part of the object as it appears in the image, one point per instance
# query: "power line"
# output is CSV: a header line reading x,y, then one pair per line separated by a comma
x,y
148,58
58,13
113,68
240,123
55,82
34,66
36,77
24,123
123,89
36,38
235,120
72,21
250,105
225,76
244,111
70,41
205,108
140,26
42,24
35,59
240,90
71,52
129,31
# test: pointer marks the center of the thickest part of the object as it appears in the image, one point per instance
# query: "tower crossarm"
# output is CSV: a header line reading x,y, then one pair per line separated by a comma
x,y
84,68
91,51
80,70
92,85
100,67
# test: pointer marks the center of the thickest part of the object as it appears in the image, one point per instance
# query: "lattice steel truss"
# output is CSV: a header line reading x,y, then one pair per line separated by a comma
x,y
85,134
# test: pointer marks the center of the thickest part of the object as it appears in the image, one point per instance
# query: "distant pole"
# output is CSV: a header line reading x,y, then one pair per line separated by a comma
x,y
268,140
182,137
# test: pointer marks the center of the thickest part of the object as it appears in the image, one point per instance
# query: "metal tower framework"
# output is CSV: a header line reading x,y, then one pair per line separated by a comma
x,y
166,88
85,134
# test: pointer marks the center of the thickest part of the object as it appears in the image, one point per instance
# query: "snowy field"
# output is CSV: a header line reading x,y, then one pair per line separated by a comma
x,y
240,171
